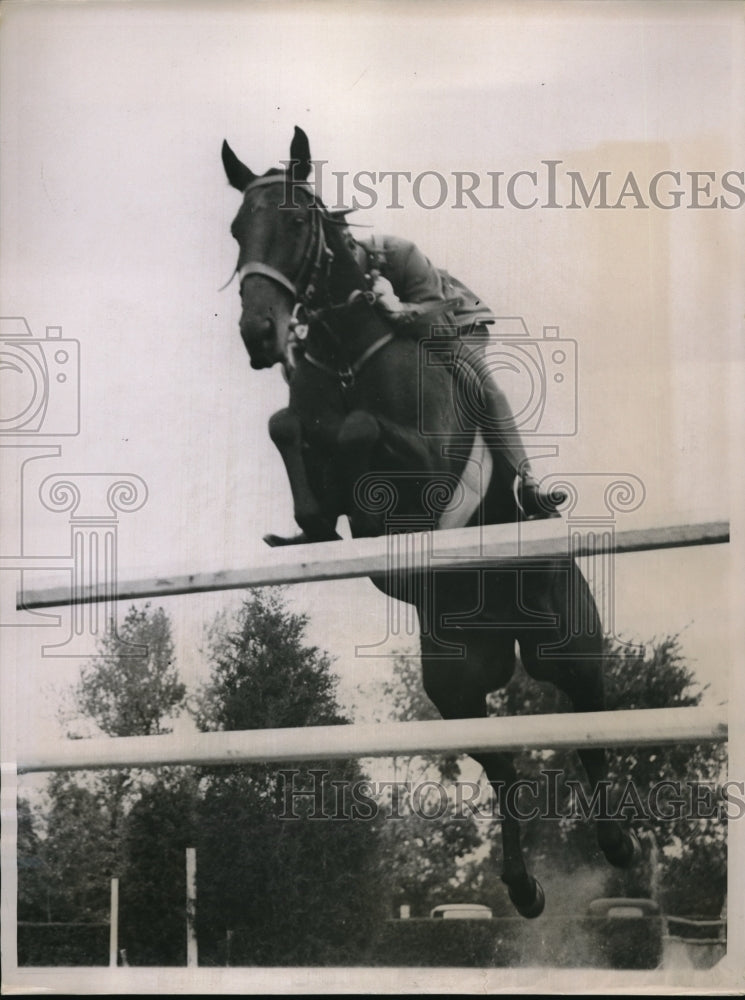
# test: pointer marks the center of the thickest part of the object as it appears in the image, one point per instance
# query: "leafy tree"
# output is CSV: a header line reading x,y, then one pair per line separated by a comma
x,y
159,828
33,898
427,834
282,889
128,695
83,842
78,853
423,851
403,699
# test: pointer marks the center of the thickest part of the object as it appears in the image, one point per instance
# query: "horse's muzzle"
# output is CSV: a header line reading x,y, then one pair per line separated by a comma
x,y
260,339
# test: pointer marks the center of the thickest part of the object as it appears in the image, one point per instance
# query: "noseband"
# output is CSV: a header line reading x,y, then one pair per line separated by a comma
x,y
316,257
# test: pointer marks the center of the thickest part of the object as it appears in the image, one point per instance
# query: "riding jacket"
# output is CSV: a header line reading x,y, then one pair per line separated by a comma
x,y
415,280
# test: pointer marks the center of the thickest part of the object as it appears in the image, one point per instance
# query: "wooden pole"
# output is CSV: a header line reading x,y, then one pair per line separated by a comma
x,y
114,924
488,547
192,956
639,727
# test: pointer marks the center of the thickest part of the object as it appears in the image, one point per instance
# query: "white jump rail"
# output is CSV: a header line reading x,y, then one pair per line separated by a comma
x,y
486,547
639,727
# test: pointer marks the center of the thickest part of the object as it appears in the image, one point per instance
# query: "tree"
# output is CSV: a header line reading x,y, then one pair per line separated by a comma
x,y
33,882
282,886
84,839
158,829
427,835
128,695
78,853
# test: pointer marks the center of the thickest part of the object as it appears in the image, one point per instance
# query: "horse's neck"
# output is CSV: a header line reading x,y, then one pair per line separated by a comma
x,y
348,328
345,276
342,336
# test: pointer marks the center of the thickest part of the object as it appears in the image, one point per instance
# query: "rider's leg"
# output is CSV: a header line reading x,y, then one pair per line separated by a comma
x,y
500,429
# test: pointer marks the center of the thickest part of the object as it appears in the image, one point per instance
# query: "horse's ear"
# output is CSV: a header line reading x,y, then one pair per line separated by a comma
x,y
238,173
300,155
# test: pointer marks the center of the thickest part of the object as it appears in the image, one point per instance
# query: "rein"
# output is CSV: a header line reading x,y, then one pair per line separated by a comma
x,y
299,332
347,375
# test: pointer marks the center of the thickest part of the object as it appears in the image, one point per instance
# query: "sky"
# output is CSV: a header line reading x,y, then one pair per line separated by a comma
x,y
116,219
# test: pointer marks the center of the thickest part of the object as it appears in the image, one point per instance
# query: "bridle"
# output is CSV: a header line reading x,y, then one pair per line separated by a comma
x,y
316,259
304,287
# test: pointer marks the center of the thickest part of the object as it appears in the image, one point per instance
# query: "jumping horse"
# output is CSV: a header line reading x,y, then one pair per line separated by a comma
x,y
354,442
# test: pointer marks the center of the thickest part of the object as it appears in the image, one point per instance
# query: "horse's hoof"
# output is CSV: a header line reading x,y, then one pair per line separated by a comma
x,y
627,853
533,908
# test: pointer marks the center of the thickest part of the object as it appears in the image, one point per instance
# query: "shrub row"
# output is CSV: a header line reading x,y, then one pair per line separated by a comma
x,y
63,944
509,942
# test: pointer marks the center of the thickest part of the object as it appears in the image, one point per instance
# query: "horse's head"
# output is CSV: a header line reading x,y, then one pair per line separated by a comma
x,y
282,249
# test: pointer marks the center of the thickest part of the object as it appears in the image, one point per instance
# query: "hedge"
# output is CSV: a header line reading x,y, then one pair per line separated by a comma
x,y
585,942
63,944
503,942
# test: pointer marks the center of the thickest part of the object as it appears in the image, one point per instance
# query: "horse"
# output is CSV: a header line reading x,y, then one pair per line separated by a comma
x,y
354,443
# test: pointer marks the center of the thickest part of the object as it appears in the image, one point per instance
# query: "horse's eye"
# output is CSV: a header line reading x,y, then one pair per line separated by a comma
x,y
299,220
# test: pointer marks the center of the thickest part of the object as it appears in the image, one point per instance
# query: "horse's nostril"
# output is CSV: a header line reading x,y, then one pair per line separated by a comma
x,y
254,328
258,335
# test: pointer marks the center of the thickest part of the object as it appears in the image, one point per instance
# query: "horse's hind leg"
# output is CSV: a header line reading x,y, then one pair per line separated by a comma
x,y
620,846
583,683
579,674
458,688
286,432
524,889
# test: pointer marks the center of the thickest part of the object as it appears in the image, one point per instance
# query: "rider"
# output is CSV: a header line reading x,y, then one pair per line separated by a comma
x,y
407,286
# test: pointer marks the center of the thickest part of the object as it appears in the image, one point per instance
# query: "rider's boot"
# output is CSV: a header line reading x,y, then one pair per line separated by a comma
x,y
277,540
325,533
533,501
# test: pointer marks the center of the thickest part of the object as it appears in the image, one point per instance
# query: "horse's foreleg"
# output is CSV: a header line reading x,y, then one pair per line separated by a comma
x,y
458,689
400,453
286,432
357,437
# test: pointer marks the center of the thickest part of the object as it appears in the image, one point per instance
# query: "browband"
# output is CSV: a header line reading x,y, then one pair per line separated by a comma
x,y
277,179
